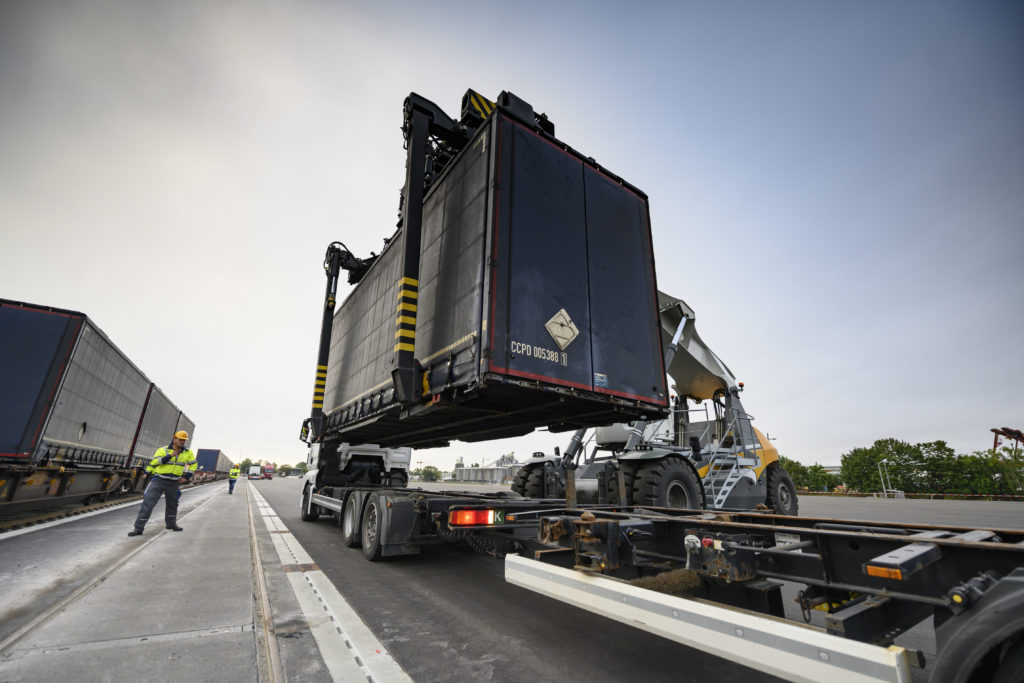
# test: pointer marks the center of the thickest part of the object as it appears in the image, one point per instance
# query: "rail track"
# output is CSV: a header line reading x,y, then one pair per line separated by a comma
x,y
12,521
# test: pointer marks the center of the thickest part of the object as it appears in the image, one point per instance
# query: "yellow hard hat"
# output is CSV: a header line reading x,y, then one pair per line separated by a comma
x,y
181,435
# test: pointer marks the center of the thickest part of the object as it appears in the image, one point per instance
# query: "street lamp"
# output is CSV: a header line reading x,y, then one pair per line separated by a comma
x,y
886,482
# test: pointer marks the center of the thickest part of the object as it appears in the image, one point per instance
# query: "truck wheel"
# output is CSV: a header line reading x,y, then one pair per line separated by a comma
x,y
373,519
669,482
308,515
781,491
629,475
519,481
535,482
350,523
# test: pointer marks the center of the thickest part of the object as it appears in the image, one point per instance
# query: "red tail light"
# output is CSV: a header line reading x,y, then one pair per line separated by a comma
x,y
470,517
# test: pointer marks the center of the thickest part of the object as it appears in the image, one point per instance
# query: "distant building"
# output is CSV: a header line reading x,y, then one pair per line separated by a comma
x,y
500,471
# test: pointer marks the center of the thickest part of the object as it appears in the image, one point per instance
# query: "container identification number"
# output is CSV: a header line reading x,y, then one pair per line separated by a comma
x,y
541,353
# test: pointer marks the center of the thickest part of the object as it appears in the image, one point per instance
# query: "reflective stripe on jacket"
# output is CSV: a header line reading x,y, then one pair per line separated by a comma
x,y
184,462
234,473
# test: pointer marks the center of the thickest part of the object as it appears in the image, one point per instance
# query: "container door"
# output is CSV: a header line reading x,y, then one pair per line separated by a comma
x,y
34,349
541,318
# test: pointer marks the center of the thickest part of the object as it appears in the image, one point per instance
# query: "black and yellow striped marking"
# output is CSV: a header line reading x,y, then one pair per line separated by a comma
x,y
318,386
405,321
480,104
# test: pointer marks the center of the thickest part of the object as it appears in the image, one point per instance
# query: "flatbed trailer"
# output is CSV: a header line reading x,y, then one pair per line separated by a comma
x,y
873,580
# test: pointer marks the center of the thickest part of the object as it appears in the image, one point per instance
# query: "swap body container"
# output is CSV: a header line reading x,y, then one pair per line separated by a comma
x,y
72,399
212,460
536,307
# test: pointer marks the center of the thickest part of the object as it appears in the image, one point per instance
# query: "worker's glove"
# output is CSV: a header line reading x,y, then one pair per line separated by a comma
x,y
166,459
187,476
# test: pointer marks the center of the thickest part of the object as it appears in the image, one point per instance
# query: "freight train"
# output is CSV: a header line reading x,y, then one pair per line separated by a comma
x,y
79,421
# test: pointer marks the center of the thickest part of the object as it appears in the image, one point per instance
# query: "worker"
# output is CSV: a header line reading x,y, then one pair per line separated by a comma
x,y
170,467
232,478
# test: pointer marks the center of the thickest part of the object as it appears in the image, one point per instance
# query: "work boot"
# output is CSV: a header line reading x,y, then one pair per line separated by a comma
x,y
134,532
175,528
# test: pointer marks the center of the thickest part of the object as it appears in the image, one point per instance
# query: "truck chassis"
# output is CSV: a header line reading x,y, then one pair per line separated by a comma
x,y
873,580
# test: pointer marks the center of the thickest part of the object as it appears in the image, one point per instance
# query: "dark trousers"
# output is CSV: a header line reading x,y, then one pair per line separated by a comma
x,y
156,487
231,485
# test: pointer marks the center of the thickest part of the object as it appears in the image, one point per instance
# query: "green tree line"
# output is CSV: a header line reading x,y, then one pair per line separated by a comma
x,y
931,467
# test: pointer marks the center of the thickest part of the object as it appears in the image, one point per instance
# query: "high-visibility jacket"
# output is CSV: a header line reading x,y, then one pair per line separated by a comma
x,y
176,467
234,473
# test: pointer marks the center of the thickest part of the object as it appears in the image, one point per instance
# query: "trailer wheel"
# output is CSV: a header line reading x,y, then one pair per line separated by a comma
x,y
373,519
670,482
781,491
350,523
986,641
308,513
1011,668
612,486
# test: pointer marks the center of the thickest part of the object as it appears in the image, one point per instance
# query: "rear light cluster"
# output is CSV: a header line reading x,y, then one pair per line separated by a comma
x,y
477,517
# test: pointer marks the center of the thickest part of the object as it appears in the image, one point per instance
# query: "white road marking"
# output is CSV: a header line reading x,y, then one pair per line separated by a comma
x,y
347,645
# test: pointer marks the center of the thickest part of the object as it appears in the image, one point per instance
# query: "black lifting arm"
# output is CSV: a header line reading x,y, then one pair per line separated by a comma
x,y
338,257
432,139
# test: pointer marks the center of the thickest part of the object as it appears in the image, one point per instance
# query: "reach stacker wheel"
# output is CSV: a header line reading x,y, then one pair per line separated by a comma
x,y
668,483
781,491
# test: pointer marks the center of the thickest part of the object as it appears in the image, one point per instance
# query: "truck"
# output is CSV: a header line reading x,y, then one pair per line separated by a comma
x,y
255,472
268,472
495,232
79,421
696,459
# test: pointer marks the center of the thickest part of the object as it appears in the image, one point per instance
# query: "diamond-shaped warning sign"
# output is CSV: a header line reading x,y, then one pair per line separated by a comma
x,y
562,329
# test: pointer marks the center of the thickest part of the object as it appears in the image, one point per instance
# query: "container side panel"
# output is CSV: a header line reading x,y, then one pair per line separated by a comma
x,y
548,328
206,459
100,400
188,425
625,336
451,270
363,333
158,426
33,347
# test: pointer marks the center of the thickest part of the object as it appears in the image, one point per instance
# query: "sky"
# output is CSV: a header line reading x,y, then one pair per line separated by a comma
x,y
837,189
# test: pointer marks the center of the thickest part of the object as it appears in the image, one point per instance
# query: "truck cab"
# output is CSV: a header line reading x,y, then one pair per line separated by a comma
x,y
344,464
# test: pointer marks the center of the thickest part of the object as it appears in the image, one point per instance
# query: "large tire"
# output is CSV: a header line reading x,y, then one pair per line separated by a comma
x,y
781,491
535,482
1011,666
668,483
612,485
307,514
350,523
519,481
371,527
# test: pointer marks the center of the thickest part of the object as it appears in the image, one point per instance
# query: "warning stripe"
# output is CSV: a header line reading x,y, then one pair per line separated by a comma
x,y
482,105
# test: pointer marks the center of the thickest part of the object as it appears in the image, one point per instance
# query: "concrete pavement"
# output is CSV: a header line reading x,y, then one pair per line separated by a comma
x,y
181,606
